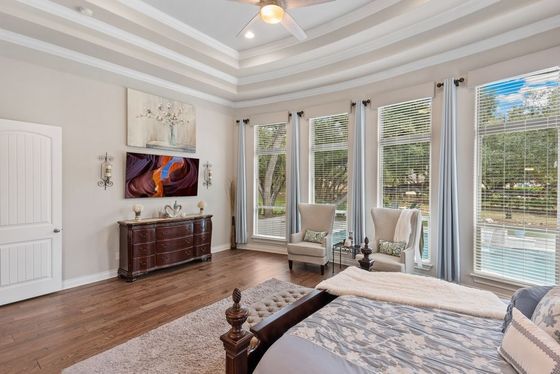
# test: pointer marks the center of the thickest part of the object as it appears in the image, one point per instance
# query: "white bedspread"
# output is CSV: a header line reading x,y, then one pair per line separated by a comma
x,y
415,290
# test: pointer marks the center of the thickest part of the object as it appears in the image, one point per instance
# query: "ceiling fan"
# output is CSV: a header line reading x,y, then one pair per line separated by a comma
x,y
275,11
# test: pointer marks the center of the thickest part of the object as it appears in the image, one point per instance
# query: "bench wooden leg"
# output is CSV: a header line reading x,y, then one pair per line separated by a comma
x,y
290,264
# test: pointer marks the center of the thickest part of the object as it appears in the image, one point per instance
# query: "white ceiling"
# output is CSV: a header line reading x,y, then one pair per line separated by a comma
x,y
223,19
186,45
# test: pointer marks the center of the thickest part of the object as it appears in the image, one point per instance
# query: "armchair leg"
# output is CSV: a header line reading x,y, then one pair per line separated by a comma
x,y
290,264
322,269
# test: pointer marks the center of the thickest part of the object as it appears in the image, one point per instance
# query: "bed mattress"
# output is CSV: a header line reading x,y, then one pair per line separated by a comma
x,y
357,335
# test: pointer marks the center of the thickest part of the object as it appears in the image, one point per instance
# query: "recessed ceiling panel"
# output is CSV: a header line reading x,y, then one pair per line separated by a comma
x,y
223,19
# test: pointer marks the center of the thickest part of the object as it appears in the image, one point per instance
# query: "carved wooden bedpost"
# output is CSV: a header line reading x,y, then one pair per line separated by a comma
x,y
236,340
366,263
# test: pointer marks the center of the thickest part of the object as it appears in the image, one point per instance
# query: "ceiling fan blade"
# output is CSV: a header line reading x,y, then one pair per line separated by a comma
x,y
254,2
248,25
291,25
291,4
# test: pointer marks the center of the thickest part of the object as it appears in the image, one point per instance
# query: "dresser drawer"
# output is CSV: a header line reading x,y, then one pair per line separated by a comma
x,y
200,239
174,231
143,263
143,235
202,250
202,226
174,244
143,250
170,258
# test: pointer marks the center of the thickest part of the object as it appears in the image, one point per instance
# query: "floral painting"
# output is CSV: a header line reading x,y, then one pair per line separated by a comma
x,y
160,123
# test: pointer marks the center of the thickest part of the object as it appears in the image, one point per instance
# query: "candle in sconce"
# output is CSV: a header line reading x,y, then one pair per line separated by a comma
x,y
108,170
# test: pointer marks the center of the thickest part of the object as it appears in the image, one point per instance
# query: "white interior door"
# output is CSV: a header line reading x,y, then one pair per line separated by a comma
x,y
30,210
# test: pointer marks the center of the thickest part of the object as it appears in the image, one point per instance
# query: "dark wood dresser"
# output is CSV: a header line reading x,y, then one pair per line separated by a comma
x,y
152,244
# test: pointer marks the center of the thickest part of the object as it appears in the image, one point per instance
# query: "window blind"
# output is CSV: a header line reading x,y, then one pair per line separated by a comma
x,y
270,181
516,236
329,167
404,158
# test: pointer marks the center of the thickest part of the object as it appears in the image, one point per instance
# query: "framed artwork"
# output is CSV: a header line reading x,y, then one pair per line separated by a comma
x,y
159,123
160,176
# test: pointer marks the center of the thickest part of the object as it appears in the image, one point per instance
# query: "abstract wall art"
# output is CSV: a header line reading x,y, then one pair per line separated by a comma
x,y
160,176
160,123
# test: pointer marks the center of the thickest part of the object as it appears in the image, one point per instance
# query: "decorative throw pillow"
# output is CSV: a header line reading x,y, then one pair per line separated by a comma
x,y
314,236
528,348
526,300
390,248
547,313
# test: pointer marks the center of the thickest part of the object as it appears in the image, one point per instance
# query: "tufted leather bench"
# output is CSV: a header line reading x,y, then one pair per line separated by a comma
x,y
269,306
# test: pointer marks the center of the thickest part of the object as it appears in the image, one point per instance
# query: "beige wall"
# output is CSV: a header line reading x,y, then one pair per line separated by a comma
x,y
92,115
515,59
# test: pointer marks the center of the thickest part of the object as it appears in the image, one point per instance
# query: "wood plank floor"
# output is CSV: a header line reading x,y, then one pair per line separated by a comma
x,y
49,333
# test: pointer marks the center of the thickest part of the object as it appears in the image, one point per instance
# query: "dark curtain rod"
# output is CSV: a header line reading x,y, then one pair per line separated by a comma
x,y
365,102
299,114
456,81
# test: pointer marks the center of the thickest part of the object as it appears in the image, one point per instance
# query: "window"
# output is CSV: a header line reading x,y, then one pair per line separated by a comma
x,y
516,236
404,159
270,181
329,167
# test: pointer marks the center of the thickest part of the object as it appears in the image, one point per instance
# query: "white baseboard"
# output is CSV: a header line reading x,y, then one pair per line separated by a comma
x,y
86,279
266,248
220,248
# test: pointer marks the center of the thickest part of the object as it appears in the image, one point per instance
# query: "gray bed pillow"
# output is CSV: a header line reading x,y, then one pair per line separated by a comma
x,y
525,300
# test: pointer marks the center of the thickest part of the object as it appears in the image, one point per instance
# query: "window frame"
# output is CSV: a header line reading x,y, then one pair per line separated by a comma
x,y
256,205
407,139
335,147
518,125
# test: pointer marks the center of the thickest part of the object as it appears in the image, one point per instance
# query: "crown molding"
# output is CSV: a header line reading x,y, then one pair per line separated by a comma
x,y
316,58
68,14
161,17
55,50
467,50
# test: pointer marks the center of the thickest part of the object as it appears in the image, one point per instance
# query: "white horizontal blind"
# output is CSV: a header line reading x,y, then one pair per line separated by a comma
x,y
329,167
404,159
516,236
270,181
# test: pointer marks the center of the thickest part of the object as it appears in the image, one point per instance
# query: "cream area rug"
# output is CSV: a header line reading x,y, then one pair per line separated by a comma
x,y
190,344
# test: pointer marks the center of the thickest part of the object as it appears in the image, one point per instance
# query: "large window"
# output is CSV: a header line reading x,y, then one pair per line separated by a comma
x,y
404,159
329,167
270,181
516,236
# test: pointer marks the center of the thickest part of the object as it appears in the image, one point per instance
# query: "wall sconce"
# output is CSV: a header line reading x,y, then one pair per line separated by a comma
x,y
207,174
106,171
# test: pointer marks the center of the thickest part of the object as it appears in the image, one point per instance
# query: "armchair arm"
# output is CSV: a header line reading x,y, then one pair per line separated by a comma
x,y
407,258
328,246
297,237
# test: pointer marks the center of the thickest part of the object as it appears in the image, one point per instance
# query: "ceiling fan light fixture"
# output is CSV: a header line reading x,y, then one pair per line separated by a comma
x,y
272,13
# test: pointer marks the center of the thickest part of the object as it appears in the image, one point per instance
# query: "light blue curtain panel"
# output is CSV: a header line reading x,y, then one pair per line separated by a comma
x,y
294,219
358,226
241,191
448,209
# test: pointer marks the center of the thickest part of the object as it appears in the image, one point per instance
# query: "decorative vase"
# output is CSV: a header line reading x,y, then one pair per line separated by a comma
x,y
172,135
233,235
137,209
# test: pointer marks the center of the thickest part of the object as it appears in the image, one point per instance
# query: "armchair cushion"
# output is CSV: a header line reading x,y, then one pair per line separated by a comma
x,y
307,249
390,248
315,236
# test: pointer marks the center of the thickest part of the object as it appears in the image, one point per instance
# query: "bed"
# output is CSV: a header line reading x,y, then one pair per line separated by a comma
x,y
338,332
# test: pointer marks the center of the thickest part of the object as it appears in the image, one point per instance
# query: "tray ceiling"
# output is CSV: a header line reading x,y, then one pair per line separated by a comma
x,y
189,46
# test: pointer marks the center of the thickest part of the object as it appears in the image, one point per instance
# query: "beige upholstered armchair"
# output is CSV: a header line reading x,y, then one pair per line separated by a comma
x,y
314,217
384,224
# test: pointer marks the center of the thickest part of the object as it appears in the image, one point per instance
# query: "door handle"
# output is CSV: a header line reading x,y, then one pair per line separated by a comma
x,y
57,230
